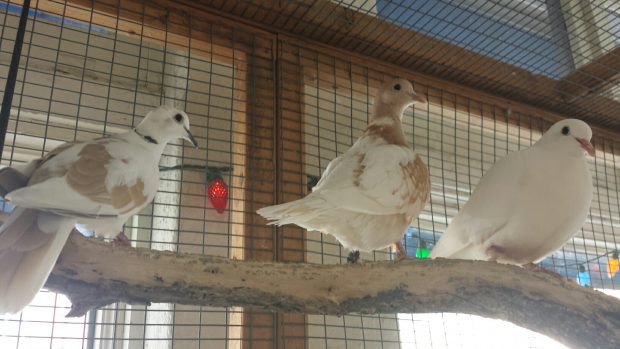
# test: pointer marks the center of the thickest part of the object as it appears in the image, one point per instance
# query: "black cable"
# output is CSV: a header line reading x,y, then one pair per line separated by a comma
x,y
9,89
195,167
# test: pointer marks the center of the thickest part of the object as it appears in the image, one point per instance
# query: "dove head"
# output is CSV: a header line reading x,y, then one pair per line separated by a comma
x,y
393,97
165,124
572,135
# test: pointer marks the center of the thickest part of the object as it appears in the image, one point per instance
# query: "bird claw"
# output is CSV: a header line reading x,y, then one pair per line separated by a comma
x,y
354,257
400,257
121,240
401,254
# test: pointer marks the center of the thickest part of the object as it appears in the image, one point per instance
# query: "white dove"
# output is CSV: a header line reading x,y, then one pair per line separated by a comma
x,y
528,204
98,183
368,196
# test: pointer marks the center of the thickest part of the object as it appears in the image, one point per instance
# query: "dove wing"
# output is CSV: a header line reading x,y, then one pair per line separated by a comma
x,y
489,208
335,163
85,180
385,179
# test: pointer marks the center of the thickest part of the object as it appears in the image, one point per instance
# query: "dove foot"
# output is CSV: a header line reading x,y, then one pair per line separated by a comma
x,y
121,240
401,253
354,257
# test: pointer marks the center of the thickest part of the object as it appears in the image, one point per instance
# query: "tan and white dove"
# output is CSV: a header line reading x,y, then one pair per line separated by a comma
x,y
528,204
368,196
98,183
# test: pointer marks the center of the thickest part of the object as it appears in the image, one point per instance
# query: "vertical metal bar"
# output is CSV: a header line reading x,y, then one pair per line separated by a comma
x,y
92,323
9,88
276,65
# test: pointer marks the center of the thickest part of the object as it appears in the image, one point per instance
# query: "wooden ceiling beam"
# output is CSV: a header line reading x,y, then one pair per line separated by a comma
x,y
328,24
331,24
593,78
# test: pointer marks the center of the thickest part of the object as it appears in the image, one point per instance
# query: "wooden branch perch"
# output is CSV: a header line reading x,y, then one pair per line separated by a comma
x,y
94,274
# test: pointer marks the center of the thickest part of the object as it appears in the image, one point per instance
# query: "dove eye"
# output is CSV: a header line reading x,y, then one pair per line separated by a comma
x,y
397,87
565,130
178,117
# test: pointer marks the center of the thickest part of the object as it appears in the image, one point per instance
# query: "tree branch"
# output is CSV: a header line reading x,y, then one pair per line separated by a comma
x,y
94,274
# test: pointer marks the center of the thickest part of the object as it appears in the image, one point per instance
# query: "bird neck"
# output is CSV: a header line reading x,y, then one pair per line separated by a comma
x,y
388,110
388,128
152,142
566,149
146,137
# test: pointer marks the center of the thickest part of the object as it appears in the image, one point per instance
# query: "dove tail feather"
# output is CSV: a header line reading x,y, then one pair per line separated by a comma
x,y
300,212
451,247
27,256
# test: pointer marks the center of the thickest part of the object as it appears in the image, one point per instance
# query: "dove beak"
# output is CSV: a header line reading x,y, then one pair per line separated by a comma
x,y
418,98
585,144
190,138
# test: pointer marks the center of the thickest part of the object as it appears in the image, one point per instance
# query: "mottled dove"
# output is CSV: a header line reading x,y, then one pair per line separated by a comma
x,y
368,196
98,183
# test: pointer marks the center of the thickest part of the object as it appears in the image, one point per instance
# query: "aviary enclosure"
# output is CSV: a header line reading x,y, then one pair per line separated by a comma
x,y
277,89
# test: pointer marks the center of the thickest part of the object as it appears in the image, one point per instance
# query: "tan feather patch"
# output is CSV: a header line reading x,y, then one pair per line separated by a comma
x,y
359,170
43,174
418,172
391,133
88,176
125,195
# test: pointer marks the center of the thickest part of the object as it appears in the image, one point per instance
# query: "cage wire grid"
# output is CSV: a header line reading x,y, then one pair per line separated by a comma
x,y
89,71
558,54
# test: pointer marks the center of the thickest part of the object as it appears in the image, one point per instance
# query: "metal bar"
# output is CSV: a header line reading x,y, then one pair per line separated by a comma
x,y
92,324
9,88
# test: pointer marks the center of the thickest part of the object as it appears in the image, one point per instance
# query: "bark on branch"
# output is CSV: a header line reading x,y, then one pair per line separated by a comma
x,y
94,274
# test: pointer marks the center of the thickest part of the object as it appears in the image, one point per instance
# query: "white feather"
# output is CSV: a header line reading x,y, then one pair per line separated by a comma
x,y
139,163
50,205
528,205
23,273
365,198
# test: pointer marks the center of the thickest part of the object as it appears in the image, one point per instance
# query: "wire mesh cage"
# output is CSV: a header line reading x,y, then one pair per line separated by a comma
x,y
269,111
